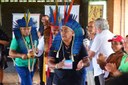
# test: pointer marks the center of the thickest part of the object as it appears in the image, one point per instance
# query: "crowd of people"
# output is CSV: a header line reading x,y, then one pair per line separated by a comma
x,y
65,56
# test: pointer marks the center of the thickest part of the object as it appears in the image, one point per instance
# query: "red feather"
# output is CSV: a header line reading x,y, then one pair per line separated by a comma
x,y
64,9
69,10
54,14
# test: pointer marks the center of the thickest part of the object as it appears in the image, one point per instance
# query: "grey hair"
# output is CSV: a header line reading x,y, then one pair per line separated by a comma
x,y
102,24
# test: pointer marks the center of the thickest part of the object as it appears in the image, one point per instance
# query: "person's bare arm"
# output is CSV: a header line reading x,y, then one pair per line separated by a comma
x,y
3,42
111,67
53,65
14,54
86,62
83,63
101,60
91,54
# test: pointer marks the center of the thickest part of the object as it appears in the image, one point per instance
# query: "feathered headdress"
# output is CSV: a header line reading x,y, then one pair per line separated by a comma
x,y
69,21
55,20
26,21
55,17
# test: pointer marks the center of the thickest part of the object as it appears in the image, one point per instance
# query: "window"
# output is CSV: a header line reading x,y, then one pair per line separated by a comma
x,y
35,0
13,0
40,0
48,0
22,0
4,0
31,0
68,0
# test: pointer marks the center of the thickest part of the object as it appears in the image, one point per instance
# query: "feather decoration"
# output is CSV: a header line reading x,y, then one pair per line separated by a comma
x,y
27,17
57,13
56,6
54,15
59,17
65,12
70,21
24,22
69,10
51,15
74,17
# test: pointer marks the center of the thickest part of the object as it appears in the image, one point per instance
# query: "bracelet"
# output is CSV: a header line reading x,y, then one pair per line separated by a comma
x,y
82,64
56,66
89,60
116,73
22,57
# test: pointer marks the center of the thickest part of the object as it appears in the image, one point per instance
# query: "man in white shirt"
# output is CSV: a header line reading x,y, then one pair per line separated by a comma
x,y
100,45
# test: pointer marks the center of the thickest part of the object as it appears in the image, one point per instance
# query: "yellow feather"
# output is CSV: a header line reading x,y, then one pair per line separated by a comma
x,y
25,17
28,17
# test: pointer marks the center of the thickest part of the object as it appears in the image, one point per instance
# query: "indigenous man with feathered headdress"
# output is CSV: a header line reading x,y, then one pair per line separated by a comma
x,y
54,24
23,48
49,34
67,54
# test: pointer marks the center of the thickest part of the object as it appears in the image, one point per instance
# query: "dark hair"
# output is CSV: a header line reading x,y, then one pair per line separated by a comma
x,y
3,36
126,35
41,30
123,48
85,33
43,16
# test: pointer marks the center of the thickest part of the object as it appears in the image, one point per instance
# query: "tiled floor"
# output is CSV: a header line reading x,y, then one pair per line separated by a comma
x,y
11,77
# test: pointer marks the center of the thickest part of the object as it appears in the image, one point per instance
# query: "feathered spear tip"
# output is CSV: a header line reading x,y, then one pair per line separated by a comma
x,y
27,17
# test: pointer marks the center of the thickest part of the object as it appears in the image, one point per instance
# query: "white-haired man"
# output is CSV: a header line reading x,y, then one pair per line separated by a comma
x,y
100,45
